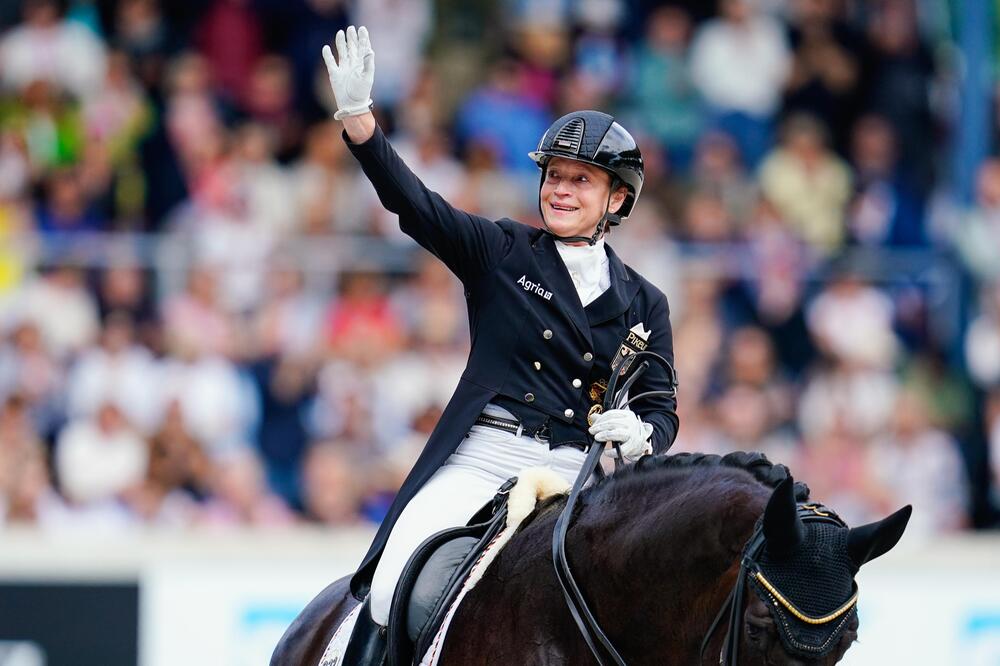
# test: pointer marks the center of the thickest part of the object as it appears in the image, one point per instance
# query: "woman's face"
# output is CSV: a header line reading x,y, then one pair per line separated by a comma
x,y
574,197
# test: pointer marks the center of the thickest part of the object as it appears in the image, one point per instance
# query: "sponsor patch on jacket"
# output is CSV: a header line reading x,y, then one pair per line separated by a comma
x,y
636,340
534,287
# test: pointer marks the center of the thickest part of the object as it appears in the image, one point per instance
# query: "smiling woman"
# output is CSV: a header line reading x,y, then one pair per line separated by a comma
x,y
549,311
575,196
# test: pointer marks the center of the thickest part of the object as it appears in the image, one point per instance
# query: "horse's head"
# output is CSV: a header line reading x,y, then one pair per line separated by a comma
x,y
802,609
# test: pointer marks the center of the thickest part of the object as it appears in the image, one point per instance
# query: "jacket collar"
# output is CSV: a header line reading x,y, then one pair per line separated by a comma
x,y
613,302
607,306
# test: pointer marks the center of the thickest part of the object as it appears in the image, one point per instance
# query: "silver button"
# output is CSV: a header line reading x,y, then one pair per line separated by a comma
x,y
529,397
568,413
538,366
547,334
588,357
577,383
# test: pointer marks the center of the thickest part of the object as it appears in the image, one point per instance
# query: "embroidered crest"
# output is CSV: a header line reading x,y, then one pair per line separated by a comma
x,y
637,340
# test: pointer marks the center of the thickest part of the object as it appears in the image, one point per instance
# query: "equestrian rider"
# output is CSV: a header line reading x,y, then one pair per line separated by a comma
x,y
549,310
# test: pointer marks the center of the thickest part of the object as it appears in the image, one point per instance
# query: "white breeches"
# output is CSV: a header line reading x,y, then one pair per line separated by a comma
x,y
467,480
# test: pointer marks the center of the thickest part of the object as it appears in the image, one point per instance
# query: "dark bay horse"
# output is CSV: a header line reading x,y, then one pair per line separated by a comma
x,y
657,550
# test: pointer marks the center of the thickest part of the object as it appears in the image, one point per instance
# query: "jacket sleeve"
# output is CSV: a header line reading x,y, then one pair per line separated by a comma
x,y
468,244
660,412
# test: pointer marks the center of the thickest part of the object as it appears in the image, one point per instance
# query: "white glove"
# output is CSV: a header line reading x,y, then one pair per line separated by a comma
x,y
623,426
353,78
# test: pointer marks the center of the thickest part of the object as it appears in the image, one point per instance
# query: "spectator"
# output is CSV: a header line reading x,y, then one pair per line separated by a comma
x,y
23,471
808,184
982,340
60,305
502,115
118,371
177,461
899,75
661,93
739,63
887,208
977,235
406,24
852,322
68,207
322,182
826,66
240,496
47,47
99,458
331,492
915,463
717,169
230,37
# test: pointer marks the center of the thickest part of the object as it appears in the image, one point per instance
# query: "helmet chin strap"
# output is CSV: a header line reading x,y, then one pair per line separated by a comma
x,y
607,219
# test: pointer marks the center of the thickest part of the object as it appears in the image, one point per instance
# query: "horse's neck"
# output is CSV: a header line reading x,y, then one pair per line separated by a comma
x,y
662,561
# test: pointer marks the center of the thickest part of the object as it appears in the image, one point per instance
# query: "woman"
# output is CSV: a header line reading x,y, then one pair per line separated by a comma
x,y
549,309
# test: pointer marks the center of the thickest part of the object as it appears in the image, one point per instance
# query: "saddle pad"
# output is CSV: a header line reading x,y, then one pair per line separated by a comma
x,y
334,653
534,484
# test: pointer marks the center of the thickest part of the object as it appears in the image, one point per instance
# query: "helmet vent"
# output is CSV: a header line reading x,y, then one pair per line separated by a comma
x,y
569,137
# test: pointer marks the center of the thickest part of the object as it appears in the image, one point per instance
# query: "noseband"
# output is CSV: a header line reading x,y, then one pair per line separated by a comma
x,y
614,398
750,570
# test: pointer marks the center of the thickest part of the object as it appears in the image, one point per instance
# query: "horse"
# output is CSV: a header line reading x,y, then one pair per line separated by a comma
x,y
661,550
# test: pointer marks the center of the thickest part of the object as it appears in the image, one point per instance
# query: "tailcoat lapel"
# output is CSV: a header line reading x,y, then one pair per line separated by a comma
x,y
563,289
617,298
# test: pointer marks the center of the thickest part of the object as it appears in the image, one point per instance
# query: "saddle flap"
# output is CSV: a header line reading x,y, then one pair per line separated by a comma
x,y
432,582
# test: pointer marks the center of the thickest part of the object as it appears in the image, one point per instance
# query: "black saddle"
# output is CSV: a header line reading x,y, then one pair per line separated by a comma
x,y
433,577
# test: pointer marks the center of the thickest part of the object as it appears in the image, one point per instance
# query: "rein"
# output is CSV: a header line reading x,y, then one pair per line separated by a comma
x,y
598,642
733,605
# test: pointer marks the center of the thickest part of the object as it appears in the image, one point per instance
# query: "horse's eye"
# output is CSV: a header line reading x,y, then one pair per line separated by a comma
x,y
753,632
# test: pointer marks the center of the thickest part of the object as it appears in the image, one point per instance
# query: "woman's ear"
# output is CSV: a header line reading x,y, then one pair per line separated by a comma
x,y
617,199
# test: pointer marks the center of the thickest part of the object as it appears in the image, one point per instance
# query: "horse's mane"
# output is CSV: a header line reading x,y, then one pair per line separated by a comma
x,y
649,470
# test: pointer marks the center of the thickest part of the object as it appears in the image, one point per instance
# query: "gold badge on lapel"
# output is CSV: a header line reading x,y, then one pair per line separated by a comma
x,y
637,340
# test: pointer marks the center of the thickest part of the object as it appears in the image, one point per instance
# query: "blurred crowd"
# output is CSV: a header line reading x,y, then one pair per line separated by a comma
x,y
189,334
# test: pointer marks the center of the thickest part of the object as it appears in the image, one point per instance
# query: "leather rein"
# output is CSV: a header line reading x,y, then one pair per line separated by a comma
x,y
598,642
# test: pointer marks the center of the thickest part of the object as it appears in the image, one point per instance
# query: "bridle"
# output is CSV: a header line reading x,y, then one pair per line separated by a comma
x,y
750,569
600,645
614,398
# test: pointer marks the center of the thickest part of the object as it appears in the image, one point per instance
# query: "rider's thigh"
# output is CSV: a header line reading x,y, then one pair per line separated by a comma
x,y
448,499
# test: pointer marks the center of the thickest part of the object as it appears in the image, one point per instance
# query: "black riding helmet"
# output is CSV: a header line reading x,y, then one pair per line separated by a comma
x,y
594,138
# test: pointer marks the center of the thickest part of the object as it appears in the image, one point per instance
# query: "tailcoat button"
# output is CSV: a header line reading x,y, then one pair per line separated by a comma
x,y
547,334
568,413
577,383
538,365
588,357
529,397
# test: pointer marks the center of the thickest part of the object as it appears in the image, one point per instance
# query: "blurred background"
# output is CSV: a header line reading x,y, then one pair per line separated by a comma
x,y
219,356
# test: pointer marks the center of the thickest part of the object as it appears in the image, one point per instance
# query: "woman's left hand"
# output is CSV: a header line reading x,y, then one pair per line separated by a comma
x,y
625,427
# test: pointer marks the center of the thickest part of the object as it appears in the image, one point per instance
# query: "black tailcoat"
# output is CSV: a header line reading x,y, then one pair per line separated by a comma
x,y
535,349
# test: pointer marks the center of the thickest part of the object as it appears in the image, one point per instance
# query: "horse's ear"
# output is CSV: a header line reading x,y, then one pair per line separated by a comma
x,y
867,542
783,529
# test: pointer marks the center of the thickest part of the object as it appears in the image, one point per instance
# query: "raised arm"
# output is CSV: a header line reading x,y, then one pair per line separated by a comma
x,y
468,244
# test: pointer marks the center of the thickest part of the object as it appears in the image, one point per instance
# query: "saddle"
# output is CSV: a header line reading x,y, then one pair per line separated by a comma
x,y
433,578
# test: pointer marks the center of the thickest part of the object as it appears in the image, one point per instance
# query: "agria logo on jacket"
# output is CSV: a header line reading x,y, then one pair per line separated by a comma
x,y
528,285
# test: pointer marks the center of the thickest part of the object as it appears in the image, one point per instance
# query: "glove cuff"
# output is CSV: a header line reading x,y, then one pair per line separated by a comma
x,y
359,110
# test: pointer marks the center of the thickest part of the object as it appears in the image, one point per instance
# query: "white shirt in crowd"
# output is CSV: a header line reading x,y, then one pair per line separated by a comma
x,y
741,67
94,465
